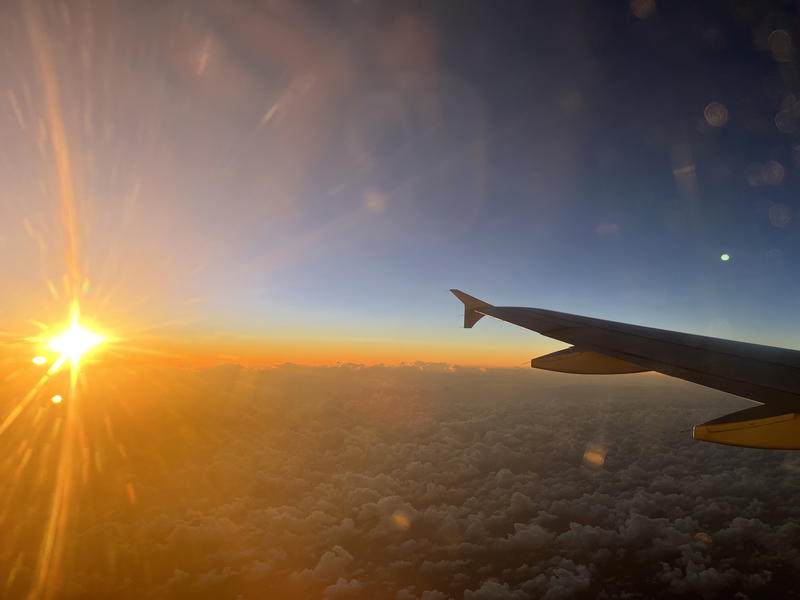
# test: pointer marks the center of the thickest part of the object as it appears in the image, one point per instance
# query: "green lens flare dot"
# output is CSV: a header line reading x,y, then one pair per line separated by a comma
x,y
725,257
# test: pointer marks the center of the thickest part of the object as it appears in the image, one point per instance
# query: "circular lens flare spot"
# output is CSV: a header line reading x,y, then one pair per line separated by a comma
x,y
56,399
725,257
74,342
39,360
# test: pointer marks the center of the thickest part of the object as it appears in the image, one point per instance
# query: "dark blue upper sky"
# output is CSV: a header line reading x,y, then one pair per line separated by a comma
x,y
590,160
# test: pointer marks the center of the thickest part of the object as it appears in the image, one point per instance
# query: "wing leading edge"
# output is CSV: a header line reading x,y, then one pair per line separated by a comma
x,y
762,373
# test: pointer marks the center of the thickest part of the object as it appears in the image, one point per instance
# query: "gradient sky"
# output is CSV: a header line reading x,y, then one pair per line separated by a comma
x,y
289,181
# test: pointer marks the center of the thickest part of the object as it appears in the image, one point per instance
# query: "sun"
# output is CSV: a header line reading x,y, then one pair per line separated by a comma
x,y
69,345
74,342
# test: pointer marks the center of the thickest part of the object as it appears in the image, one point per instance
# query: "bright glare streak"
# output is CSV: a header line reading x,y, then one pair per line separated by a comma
x,y
56,399
75,342
39,360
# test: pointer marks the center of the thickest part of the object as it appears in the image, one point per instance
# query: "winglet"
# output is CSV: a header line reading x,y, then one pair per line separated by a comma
x,y
471,307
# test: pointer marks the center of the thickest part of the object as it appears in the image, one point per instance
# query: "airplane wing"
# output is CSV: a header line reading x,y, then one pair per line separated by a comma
x,y
764,374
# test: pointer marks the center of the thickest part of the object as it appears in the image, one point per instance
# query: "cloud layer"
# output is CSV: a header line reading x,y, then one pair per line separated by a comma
x,y
425,482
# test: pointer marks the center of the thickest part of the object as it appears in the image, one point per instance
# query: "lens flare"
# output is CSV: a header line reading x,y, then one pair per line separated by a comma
x,y
74,342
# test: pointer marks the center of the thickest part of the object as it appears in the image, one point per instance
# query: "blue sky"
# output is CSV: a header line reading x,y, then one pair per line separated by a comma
x,y
325,174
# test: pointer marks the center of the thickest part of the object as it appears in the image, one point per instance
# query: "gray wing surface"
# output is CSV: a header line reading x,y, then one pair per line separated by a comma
x,y
762,373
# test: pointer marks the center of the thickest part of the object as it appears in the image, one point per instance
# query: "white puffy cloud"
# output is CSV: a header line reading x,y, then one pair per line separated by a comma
x,y
343,588
494,590
331,564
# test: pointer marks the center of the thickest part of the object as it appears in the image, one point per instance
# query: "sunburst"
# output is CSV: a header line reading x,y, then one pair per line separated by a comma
x,y
74,342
